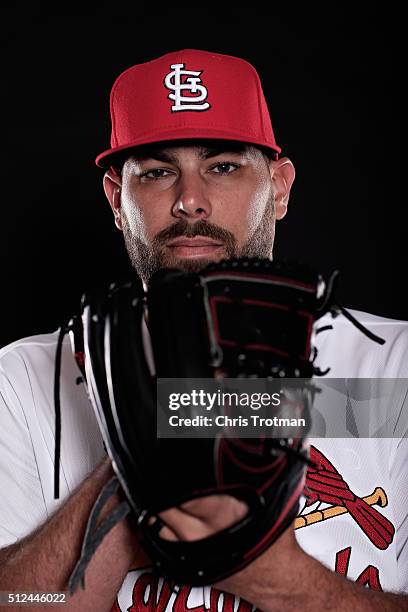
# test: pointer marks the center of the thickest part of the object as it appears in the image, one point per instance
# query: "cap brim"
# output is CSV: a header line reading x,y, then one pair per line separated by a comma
x,y
110,156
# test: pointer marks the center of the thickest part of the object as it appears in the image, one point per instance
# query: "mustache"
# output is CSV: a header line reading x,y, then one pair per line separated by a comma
x,y
190,230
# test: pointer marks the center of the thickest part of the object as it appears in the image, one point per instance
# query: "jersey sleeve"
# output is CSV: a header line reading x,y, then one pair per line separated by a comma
x,y
398,461
399,480
22,504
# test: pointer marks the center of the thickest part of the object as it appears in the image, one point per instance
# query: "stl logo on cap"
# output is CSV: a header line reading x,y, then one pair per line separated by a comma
x,y
173,81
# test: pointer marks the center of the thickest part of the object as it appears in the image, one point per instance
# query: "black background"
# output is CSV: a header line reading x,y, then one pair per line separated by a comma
x,y
333,81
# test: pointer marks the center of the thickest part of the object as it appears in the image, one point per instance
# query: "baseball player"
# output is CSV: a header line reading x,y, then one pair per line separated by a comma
x,y
194,175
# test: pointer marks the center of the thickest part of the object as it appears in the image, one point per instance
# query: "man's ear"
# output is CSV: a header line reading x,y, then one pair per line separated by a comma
x,y
283,175
112,184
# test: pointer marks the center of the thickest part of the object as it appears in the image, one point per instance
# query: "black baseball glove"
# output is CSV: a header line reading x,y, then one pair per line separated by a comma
x,y
237,319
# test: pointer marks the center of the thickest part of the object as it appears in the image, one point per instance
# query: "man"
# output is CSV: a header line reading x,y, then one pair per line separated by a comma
x,y
193,176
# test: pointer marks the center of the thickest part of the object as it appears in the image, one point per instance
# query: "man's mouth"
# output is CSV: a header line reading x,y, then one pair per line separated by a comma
x,y
198,246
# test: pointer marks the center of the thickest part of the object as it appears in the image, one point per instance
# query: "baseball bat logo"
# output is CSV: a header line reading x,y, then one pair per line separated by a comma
x,y
326,485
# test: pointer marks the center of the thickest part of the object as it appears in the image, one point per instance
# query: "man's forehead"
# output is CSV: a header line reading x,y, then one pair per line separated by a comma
x,y
202,149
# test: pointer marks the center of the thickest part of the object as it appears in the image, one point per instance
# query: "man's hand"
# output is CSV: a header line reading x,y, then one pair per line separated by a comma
x,y
208,515
202,517
284,577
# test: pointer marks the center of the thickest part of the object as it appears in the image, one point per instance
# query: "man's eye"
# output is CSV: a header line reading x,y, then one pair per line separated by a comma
x,y
225,168
156,173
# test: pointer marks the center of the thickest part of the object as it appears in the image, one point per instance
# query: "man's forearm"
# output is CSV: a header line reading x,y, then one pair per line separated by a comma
x,y
45,560
286,578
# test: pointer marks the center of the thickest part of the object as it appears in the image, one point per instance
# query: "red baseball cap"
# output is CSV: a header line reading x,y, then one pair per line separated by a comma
x,y
184,95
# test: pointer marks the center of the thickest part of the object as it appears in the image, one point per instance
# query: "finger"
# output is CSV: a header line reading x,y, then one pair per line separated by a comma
x,y
185,526
161,529
204,516
221,510
168,534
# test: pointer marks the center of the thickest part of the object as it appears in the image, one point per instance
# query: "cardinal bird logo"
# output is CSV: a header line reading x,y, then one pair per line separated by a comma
x,y
325,484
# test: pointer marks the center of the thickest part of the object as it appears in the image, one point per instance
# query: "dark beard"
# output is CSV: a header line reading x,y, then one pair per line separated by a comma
x,y
147,259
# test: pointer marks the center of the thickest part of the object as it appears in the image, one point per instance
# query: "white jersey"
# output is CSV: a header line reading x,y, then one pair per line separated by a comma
x,y
375,469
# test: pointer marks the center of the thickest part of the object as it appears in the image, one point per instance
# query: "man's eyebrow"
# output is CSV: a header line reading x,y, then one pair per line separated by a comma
x,y
156,154
207,152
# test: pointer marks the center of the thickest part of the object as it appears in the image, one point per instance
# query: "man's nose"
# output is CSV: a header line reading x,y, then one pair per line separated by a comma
x,y
192,200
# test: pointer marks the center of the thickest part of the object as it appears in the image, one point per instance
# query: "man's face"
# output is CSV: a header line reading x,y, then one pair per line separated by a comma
x,y
185,206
